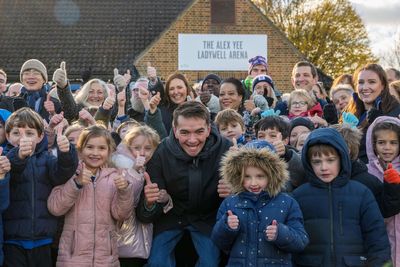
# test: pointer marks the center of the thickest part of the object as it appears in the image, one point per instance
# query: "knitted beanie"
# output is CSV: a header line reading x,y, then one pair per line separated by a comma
x,y
301,121
263,78
257,60
212,76
36,65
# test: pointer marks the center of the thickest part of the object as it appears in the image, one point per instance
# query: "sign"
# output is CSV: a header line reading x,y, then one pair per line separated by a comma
x,y
220,52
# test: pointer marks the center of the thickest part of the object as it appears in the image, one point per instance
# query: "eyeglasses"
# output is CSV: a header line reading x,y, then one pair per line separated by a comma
x,y
299,103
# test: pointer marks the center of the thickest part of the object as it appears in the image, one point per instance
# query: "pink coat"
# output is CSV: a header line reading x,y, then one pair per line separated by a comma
x,y
374,168
134,237
89,234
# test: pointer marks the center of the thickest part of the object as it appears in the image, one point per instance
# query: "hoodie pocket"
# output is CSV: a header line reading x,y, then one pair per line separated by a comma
x,y
355,261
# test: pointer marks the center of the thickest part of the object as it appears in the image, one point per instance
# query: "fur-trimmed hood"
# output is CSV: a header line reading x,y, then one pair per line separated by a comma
x,y
233,163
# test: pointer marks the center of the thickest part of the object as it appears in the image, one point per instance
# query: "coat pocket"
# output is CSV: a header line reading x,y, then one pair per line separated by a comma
x,y
355,260
73,242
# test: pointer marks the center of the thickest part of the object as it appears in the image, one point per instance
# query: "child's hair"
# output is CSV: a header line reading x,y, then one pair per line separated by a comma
x,y
352,137
130,122
385,126
227,116
142,130
95,131
301,93
321,149
73,128
273,122
25,117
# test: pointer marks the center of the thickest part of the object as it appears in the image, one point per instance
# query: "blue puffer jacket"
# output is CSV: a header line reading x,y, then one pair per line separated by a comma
x,y
32,180
248,245
342,218
4,202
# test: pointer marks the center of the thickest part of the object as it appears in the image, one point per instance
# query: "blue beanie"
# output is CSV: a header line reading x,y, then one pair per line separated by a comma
x,y
260,144
263,78
4,114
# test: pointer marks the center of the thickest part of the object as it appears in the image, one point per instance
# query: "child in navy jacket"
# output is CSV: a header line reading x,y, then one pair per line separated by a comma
x,y
258,225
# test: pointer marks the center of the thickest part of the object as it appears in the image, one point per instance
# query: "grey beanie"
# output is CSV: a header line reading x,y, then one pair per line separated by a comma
x,y
34,64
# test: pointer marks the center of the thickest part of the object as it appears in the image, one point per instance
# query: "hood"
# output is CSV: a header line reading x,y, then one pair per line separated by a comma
x,y
233,162
4,114
213,142
333,138
369,147
374,166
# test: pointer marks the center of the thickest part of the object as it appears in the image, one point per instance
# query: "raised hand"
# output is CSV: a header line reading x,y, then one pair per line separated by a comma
x,y
109,102
60,76
26,147
151,72
49,105
56,120
121,98
154,102
151,191
249,105
62,140
120,182
235,146
272,231
224,189
84,175
127,76
391,175
139,162
163,197
119,81
5,165
86,116
232,220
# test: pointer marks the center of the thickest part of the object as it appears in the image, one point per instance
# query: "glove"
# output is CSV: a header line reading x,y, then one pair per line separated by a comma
x,y
270,112
60,76
248,82
119,81
330,114
350,119
372,114
391,175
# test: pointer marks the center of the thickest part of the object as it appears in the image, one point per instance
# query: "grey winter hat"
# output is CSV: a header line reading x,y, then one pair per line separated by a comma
x,y
36,65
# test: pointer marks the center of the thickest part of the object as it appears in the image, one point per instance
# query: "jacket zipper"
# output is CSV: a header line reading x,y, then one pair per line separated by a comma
x,y
332,245
341,218
94,228
33,203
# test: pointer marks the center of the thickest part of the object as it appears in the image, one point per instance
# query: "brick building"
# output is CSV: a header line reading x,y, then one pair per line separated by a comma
x,y
105,34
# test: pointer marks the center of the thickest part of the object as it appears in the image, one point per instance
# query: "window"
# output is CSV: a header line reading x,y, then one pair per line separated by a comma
x,y
222,11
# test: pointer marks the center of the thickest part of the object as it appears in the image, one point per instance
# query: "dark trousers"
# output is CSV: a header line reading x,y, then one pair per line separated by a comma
x,y
16,256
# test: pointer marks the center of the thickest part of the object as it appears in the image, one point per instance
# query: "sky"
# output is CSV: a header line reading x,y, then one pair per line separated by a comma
x,y
382,21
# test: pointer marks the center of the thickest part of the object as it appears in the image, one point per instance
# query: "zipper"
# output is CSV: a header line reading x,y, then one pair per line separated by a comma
x,y
332,245
33,201
94,228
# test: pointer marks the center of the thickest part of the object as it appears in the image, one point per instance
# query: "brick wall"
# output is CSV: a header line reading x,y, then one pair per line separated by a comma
x,y
163,53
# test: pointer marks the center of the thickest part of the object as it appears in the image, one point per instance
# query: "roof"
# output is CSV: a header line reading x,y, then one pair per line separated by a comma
x,y
100,34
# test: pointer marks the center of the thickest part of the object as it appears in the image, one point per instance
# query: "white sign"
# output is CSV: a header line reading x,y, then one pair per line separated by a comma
x,y
223,52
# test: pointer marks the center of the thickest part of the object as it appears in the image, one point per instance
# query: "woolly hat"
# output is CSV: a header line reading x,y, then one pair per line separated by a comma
x,y
234,162
257,60
212,76
263,78
4,114
260,144
341,87
301,121
34,64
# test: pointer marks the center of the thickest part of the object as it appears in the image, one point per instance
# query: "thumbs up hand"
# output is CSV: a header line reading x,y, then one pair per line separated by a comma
x,y
272,231
154,102
60,76
224,189
5,165
109,102
119,81
127,76
151,191
49,105
56,120
391,175
120,182
139,162
26,147
232,220
84,174
62,140
151,72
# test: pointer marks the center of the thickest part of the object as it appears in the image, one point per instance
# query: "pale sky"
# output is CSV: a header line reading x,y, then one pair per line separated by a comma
x,y
382,20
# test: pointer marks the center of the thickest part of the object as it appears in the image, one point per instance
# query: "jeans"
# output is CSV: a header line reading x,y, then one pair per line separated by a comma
x,y
162,250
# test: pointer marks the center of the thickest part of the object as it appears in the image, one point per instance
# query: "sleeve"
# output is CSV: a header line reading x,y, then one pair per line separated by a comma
x,y
68,104
373,228
103,115
63,167
295,168
17,165
4,192
155,122
62,198
122,203
389,200
222,235
292,237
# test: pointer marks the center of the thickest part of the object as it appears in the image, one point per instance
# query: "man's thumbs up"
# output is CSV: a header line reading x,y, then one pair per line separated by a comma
x,y
151,191
272,231
119,81
232,220
60,76
391,175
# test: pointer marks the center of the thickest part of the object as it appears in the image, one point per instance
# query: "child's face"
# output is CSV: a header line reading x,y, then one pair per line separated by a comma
x,y
326,167
141,146
18,133
95,153
231,130
262,87
2,133
270,135
296,132
301,140
73,137
298,105
254,180
387,145
124,131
